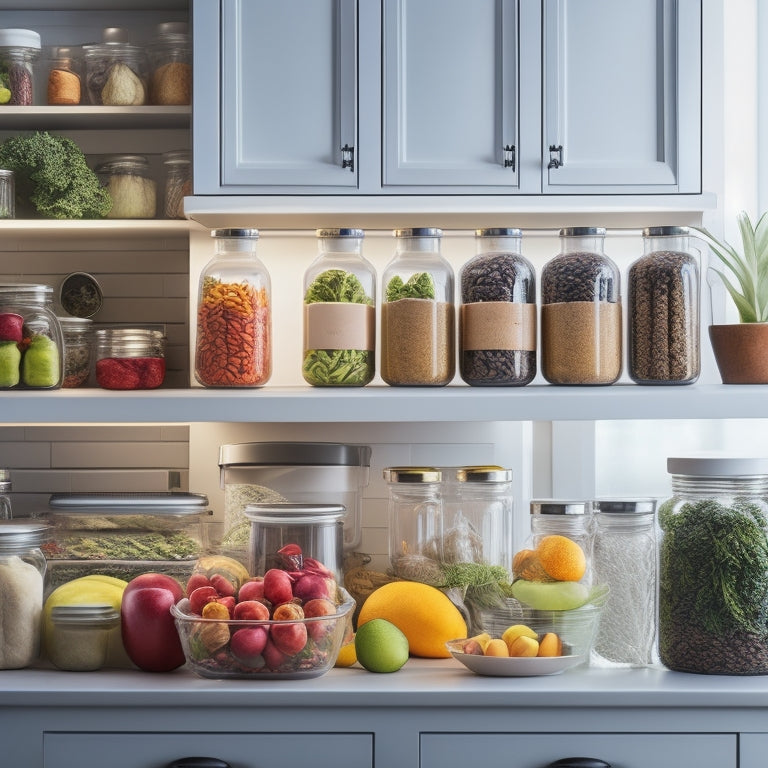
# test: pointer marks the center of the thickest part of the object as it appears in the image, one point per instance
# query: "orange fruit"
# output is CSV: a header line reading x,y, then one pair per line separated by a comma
x,y
422,613
562,558
496,647
523,645
551,645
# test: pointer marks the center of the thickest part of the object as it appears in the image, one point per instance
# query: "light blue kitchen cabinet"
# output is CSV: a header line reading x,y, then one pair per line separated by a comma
x,y
287,88
447,97
622,96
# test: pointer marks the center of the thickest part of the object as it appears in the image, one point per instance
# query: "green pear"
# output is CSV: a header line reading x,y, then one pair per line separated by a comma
x,y
552,595
41,364
10,357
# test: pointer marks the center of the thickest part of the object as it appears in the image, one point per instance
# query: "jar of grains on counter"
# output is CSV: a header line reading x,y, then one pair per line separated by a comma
x,y
132,189
417,313
581,325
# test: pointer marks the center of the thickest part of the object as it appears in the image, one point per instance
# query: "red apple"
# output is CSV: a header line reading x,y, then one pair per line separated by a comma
x,y
200,597
252,610
148,629
278,587
160,580
319,607
197,580
253,589
11,327
289,637
247,646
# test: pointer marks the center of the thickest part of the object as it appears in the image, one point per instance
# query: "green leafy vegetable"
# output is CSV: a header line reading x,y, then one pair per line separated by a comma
x,y
338,367
418,286
53,178
337,285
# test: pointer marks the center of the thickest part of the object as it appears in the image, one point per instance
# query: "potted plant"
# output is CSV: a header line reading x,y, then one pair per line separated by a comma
x,y
741,349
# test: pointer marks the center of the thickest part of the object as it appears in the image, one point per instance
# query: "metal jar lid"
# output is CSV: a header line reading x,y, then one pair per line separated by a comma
x,y
141,503
490,474
413,475
717,466
559,507
294,513
86,614
21,535
235,232
80,294
666,232
583,232
340,232
418,232
285,453
499,232
624,506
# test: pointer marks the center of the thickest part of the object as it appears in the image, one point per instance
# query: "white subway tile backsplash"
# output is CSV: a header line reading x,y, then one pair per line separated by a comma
x,y
114,455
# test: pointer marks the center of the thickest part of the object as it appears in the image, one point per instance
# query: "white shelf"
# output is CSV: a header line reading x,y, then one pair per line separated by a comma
x,y
384,404
85,117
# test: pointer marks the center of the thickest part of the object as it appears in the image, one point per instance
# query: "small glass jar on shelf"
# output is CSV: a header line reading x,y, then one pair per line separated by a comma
x,y
77,333
418,345
170,65
19,50
130,358
178,182
132,189
233,346
581,315
116,74
497,315
65,71
7,194
339,312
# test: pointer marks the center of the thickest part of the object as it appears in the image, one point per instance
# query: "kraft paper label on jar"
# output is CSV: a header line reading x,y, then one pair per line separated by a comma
x,y
498,325
339,325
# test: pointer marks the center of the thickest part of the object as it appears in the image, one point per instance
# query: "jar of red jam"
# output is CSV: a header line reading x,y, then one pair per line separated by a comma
x,y
130,358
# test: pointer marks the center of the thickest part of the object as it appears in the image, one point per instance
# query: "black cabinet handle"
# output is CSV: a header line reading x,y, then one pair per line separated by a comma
x,y
579,762
198,762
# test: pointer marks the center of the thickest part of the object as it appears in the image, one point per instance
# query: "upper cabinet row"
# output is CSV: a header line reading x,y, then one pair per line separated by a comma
x,y
380,97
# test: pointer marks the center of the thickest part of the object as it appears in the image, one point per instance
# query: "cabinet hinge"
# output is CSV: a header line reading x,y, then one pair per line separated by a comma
x,y
509,156
348,157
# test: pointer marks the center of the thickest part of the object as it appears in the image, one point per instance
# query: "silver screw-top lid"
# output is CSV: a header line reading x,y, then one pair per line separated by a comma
x,y
559,507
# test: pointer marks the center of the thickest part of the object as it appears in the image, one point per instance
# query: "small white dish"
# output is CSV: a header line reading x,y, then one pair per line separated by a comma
x,y
500,666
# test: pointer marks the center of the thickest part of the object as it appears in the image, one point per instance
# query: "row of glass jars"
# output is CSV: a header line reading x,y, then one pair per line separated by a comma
x,y
581,314
113,72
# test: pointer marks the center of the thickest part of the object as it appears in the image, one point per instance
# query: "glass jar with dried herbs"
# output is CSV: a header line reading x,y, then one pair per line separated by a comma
x,y
418,346
713,566
339,312
497,316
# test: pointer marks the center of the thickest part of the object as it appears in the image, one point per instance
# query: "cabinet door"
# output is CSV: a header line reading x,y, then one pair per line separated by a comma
x,y
450,96
622,96
288,95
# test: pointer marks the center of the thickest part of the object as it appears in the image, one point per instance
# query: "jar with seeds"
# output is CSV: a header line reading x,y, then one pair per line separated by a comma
x,y
581,325
417,312
663,310
497,315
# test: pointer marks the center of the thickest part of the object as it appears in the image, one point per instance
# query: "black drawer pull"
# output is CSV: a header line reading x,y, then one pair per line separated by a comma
x,y
579,762
198,762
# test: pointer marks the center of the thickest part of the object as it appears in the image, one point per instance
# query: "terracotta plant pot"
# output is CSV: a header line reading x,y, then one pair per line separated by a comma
x,y
741,352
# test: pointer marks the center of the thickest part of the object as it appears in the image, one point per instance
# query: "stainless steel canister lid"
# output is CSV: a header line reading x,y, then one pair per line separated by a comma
x,y
559,507
287,453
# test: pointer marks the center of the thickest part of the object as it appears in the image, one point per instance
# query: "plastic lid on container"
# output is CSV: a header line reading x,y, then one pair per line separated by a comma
x,y
412,475
490,474
499,232
19,534
282,453
115,503
293,513
559,507
86,613
717,466
624,506
340,232
19,38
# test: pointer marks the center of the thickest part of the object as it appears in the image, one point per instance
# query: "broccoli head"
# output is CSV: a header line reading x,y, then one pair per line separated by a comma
x,y
53,178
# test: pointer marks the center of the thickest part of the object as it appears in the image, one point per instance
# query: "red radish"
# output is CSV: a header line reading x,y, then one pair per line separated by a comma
x,y
290,638
229,602
253,610
277,586
247,645
311,586
319,607
273,656
197,580
253,589
200,597
222,584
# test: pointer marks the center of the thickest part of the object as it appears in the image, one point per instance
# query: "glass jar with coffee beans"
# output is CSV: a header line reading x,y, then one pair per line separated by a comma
x,y
497,315
581,325
663,310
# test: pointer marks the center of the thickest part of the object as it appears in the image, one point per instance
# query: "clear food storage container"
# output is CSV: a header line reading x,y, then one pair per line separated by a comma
x,y
131,187
31,344
65,72
78,337
19,49
130,358
124,534
78,640
713,566
116,74
170,65
339,312
314,473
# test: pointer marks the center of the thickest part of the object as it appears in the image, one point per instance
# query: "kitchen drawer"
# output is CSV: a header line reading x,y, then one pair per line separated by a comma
x,y
240,750
619,750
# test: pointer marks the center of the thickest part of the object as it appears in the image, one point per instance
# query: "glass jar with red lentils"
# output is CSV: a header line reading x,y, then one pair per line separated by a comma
x,y
233,345
130,358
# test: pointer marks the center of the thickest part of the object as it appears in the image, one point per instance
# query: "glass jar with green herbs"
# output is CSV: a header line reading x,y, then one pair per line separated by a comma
x,y
418,338
339,312
713,567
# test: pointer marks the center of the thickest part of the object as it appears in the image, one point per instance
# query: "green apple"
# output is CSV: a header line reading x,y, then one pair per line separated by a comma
x,y
10,357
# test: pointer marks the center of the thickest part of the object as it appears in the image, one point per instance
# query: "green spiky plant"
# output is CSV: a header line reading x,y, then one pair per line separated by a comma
x,y
747,284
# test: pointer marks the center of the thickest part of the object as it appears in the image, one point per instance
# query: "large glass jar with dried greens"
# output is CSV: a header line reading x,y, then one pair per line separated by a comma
x,y
339,312
663,309
233,347
418,344
497,315
713,567
581,311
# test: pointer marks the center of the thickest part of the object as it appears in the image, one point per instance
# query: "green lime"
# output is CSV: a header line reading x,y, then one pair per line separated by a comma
x,y
5,95
381,646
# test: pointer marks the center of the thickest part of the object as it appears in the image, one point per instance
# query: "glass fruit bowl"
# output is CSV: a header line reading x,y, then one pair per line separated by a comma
x,y
263,649
518,640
